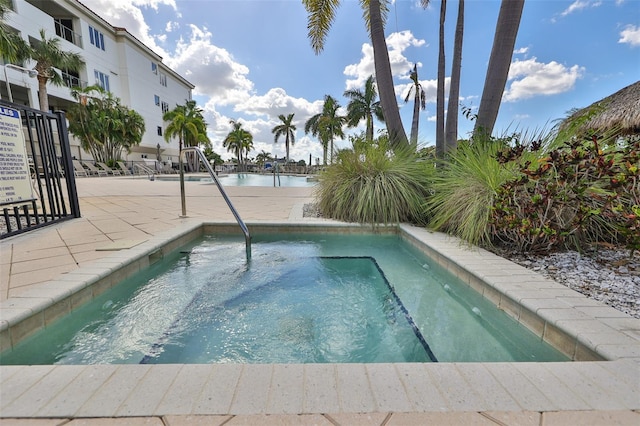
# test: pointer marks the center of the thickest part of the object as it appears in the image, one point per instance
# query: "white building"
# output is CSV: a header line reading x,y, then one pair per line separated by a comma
x,y
114,59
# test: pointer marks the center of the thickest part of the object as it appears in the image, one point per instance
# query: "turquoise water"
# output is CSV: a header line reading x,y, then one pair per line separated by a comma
x,y
249,179
306,298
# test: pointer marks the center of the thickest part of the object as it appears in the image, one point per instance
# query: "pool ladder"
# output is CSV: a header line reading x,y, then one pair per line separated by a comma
x,y
203,159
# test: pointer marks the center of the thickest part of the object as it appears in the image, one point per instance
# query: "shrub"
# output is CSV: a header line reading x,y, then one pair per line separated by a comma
x,y
464,189
371,184
584,192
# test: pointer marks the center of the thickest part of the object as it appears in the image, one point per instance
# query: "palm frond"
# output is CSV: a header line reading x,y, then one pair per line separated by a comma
x,y
321,14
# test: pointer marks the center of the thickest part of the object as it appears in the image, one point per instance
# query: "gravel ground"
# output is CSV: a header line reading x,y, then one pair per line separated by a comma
x,y
611,276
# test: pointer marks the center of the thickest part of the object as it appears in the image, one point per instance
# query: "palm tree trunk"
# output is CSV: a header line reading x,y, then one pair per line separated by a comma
x,y
384,78
42,93
415,122
451,128
440,87
324,153
499,63
331,160
286,142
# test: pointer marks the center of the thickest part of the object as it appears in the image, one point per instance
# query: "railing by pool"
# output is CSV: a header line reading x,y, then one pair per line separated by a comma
x,y
207,165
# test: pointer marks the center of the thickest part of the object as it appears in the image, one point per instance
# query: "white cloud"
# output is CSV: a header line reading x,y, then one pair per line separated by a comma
x,y
211,69
266,108
151,3
276,102
400,41
171,26
397,43
362,70
531,78
631,35
521,51
579,5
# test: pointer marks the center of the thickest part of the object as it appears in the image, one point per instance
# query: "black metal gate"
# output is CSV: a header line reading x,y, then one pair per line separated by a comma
x,y
54,195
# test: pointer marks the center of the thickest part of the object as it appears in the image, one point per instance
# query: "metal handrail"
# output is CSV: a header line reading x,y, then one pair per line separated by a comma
x,y
198,151
276,171
151,174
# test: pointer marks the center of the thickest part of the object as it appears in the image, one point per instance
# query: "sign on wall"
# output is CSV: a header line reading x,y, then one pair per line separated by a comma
x,y
15,178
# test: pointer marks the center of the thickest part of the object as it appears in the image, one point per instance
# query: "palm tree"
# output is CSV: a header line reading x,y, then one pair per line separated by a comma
x,y
263,157
103,125
451,127
363,105
419,102
247,147
313,126
287,129
499,62
320,18
134,127
238,141
186,122
12,47
326,125
48,56
213,157
440,86
195,116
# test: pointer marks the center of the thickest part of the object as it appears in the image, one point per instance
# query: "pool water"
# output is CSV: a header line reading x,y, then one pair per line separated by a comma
x,y
249,179
301,299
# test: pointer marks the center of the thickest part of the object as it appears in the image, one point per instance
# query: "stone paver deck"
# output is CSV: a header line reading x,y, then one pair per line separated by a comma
x,y
47,272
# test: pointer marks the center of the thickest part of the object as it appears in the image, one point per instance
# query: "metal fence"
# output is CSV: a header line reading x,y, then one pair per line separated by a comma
x,y
54,194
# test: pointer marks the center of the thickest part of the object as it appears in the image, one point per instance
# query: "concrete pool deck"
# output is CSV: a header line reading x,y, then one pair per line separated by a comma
x,y
122,216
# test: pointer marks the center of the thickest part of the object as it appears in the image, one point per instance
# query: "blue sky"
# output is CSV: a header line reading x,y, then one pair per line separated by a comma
x,y
251,60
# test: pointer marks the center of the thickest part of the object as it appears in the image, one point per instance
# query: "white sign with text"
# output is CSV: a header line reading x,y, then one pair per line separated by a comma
x,y
15,178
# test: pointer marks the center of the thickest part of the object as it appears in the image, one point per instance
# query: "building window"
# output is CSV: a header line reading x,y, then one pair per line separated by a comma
x,y
154,68
163,80
64,29
159,130
165,107
156,99
102,80
96,38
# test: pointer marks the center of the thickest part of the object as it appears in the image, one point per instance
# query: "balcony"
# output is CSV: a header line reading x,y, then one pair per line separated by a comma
x,y
72,81
63,19
63,30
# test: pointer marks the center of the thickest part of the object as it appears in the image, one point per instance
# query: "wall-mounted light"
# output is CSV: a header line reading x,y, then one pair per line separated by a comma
x,y
30,73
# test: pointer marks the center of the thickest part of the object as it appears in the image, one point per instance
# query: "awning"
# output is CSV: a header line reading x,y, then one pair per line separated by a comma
x,y
143,149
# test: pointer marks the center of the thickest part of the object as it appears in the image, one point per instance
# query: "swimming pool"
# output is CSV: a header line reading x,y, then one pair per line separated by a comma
x,y
248,179
204,304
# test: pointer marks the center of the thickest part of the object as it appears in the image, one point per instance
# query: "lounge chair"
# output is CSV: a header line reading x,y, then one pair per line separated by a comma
x,y
78,169
94,170
108,169
167,169
123,168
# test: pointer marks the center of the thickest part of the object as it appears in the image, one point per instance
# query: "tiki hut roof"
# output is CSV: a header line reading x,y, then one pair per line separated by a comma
x,y
619,113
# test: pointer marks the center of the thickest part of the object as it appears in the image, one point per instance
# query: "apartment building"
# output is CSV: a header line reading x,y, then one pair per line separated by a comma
x,y
114,59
